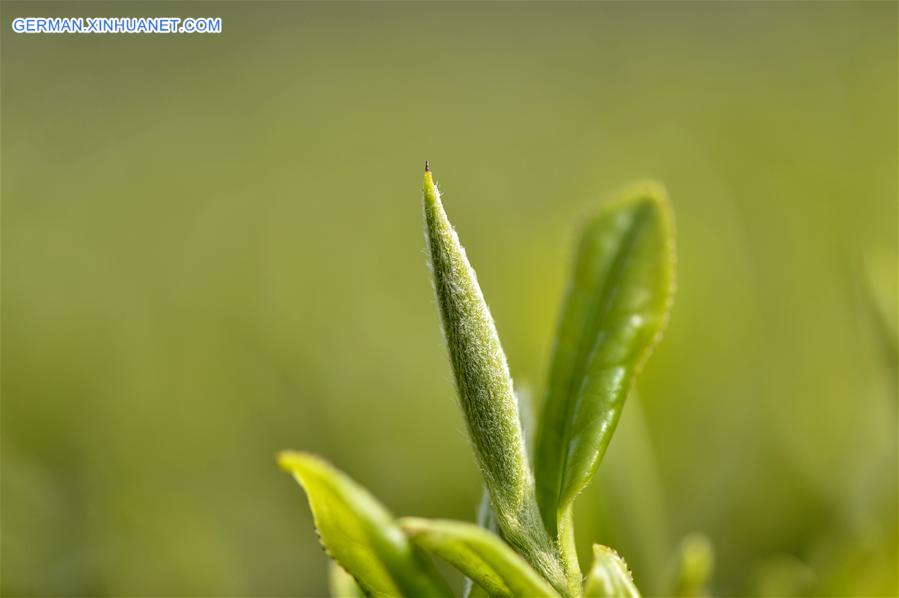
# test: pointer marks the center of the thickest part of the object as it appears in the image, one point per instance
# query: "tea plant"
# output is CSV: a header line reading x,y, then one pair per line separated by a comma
x,y
616,307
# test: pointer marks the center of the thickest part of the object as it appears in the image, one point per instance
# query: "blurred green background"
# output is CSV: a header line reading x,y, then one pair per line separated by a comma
x,y
212,250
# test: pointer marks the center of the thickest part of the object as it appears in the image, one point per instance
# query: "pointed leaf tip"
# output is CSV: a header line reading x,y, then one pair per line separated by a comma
x,y
609,577
431,194
287,460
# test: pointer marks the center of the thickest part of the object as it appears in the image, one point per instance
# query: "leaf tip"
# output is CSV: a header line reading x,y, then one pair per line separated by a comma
x,y
602,551
645,191
432,196
295,462
412,526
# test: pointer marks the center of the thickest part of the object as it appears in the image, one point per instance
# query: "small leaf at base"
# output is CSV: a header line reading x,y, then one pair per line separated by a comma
x,y
480,555
609,576
360,534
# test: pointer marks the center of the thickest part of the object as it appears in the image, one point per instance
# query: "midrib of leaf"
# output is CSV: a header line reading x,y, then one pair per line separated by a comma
x,y
588,346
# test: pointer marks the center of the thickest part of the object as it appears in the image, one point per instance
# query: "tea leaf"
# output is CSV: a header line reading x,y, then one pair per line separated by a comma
x,y
616,307
480,555
360,534
609,576
482,375
485,391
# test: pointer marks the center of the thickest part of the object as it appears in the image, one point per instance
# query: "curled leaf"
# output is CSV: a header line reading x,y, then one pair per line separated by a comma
x,y
485,391
360,534
480,555
479,364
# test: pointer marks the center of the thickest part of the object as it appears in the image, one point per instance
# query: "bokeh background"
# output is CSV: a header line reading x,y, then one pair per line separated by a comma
x,y
212,250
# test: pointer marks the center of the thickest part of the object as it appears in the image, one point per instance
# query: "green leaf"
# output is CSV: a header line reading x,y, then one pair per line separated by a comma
x,y
485,391
480,555
482,375
342,584
609,577
360,534
617,305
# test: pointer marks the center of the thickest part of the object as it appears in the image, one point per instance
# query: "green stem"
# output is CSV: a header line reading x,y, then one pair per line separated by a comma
x,y
568,550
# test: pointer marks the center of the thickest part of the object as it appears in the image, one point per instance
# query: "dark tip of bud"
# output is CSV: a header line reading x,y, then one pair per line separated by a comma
x,y
427,166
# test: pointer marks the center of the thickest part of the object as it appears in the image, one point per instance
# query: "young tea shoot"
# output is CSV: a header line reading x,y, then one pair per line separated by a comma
x,y
616,307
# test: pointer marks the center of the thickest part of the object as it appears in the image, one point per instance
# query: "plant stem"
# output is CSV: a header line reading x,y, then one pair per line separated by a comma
x,y
568,551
